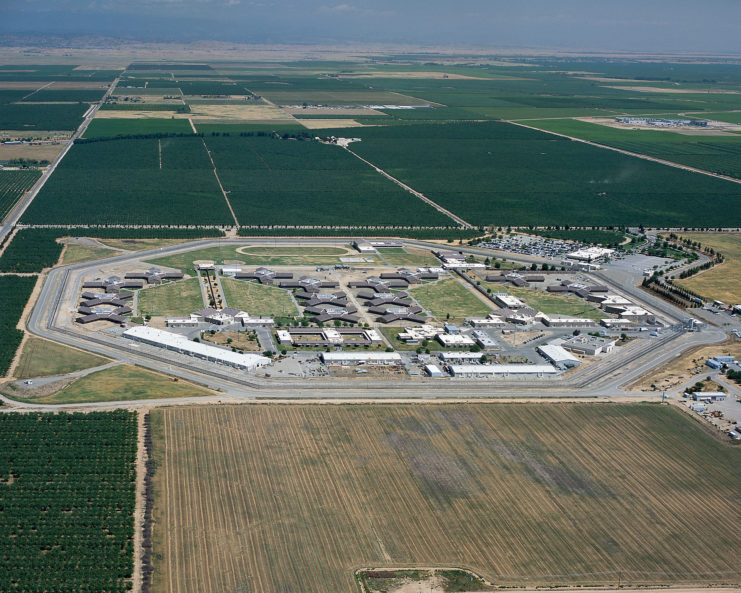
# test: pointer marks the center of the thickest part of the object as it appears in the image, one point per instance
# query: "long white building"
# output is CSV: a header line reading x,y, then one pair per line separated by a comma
x,y
349,357
492,370
182,345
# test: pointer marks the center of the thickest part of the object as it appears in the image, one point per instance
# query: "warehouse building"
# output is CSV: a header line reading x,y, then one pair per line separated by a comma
x,y
182,345
495,370
558,356
370,358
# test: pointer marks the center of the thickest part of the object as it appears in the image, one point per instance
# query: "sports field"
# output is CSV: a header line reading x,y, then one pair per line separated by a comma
x,y
295,498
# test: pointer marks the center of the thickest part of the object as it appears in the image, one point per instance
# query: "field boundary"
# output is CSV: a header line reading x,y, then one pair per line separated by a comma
x,y
639,155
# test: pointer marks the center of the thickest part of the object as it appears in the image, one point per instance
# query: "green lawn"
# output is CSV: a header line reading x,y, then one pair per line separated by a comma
x,y
41,358
184,261
554,304
450,297
257,299
402,257
176,298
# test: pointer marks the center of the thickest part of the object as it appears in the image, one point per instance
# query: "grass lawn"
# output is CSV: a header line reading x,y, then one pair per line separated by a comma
x,y
75,254
41,358
412,258
257,299
450,297
722,282
122,383
184,261
554,304
176,298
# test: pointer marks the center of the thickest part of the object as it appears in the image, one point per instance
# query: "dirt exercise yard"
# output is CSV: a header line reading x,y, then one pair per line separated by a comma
x,y
271,498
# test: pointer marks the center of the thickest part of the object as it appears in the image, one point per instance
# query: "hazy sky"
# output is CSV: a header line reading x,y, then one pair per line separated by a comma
x,y
631,25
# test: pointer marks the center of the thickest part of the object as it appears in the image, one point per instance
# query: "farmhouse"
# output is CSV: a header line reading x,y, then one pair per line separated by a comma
x,y
182,345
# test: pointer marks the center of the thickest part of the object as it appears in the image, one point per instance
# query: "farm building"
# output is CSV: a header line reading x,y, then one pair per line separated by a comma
x,y
182,345
493,370
371,358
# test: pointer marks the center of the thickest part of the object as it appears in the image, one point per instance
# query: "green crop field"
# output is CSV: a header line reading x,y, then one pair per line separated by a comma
x,y
295,182
594,236
14,294
131,182
175,298
257,299
106,128
523,494
30,116
13,184
450,299
717,154
498,173
65,96
67,501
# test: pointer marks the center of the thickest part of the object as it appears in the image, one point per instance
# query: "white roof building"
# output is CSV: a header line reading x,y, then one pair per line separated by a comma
x,y
507,301
284,336
590,254
490,320
558,355
452,356
182,345
360,357
493,370
590,345
452,340
433,370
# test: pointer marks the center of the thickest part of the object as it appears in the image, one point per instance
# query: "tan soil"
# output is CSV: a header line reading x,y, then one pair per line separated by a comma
x,y
328,111
321,124
39,152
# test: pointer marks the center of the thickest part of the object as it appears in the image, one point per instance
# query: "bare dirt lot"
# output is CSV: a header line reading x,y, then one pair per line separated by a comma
x,y
39,152
321,124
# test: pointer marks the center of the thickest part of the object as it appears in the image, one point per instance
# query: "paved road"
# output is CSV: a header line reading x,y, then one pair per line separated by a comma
x,y
15,214
595,381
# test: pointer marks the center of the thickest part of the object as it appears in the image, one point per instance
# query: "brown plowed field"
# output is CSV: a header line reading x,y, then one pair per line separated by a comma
x,y
270,498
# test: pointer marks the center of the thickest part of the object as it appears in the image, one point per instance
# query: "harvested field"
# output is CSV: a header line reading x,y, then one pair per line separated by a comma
x,y
324,124
33,152
238,112
295,498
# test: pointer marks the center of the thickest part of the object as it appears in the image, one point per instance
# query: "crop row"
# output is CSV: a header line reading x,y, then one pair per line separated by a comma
x,y
14,293
498,173
132,182
45,116
13,184
68,500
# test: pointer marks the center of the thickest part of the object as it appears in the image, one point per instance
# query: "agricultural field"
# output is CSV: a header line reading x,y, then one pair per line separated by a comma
x,y
32,250
723,281
131,182
714,153
64,96
29,116
498,173
449,299
257,299
177,298
276,498
13,184
42,358
109,127
294,182
14,294
68,501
